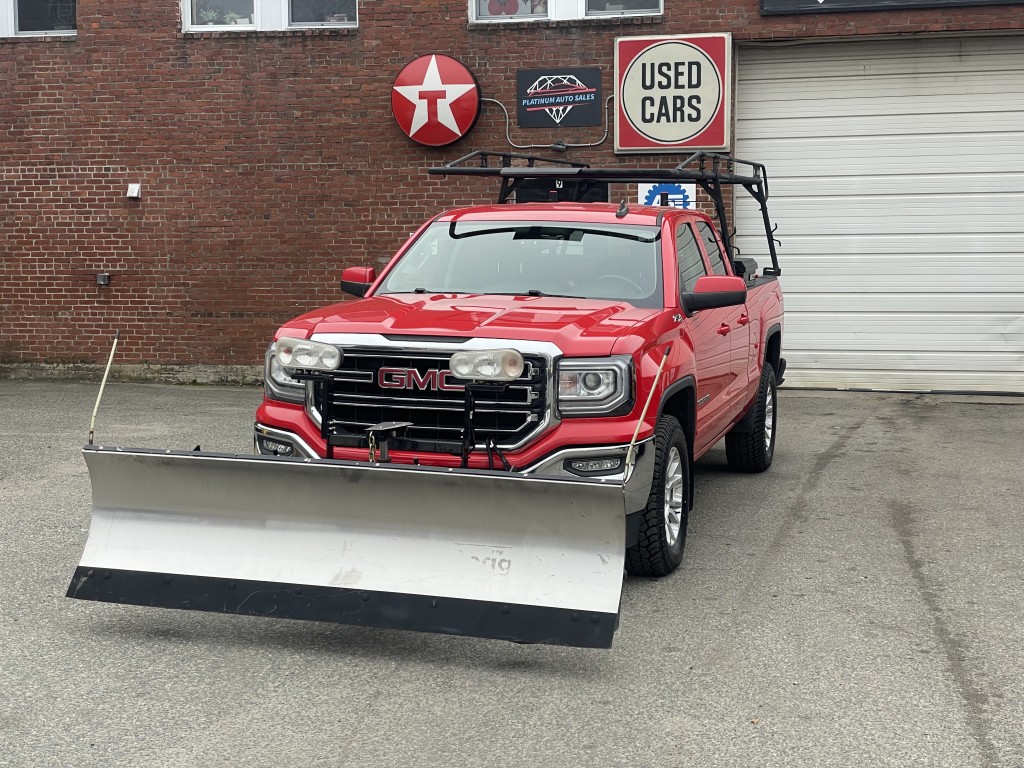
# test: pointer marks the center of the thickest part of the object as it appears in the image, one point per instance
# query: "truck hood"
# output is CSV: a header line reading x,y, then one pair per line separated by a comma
x,y
584,327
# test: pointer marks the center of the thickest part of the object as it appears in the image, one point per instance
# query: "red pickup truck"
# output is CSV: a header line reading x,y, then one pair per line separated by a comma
x,y
572,339
505,420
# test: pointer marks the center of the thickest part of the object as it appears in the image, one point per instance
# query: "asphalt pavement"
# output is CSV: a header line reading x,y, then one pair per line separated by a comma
x,y
858,605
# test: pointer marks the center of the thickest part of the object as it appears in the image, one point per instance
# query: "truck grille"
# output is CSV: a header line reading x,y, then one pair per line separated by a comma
x,y
374,386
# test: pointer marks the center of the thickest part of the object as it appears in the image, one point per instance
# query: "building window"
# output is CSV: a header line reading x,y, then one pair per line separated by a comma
x,y
622,7
221,15
505,10
37,17
321,13
559,10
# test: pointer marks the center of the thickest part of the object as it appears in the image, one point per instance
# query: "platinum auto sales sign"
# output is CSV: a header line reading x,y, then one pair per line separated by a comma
x,y
673,93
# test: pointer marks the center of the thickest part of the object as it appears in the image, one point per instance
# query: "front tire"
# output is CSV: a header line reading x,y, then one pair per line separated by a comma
x,y
662,534
753,451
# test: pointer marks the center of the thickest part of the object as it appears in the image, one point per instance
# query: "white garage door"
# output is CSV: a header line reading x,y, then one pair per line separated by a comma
x,y
896,173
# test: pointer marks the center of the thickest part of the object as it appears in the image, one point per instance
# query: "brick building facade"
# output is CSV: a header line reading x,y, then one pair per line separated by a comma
x,y
269,160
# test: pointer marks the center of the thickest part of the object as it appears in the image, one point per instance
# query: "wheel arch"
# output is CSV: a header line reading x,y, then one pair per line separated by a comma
x,y
773,346
772,355
680,400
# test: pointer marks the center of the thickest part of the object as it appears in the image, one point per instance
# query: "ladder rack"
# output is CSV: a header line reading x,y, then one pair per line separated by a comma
x,y
709,170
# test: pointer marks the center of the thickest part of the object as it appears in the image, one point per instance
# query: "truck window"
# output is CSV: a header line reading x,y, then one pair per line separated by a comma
x,y
691,263
614,262
714,250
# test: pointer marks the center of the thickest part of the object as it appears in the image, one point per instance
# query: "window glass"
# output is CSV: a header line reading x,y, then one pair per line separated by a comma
x,y
222,12
515,258
323,12
714,250
494,10
45,15
622,7
691,263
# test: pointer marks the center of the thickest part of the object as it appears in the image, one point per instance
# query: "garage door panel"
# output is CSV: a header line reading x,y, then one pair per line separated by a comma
x,y
862,99
898,301
788,127
905,332
844,274
897,217
806,373
936,56
993,362
991,185
897,155
933,252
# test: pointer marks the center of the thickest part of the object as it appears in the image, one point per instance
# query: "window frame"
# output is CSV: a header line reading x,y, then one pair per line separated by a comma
x,y
560,10
267,16
9,23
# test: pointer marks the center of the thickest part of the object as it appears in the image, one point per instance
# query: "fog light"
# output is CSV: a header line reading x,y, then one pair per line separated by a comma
x,y
594,466
270,447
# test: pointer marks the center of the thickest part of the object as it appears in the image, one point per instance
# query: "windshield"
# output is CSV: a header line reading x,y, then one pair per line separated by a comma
x,y
592,261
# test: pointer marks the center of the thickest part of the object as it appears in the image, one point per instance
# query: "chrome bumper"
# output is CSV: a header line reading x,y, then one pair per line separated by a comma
x,y
636,487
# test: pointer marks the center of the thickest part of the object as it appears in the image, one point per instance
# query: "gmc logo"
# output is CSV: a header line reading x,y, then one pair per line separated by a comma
x,y
410,378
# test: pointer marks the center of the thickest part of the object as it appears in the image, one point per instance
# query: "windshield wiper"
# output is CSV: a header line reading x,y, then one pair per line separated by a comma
x,y
532,292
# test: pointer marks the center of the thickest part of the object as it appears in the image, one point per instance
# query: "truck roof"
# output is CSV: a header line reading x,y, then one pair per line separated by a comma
x,y
584,213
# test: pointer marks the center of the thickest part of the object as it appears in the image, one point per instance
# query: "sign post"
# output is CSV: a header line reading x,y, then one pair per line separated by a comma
x,y
673,93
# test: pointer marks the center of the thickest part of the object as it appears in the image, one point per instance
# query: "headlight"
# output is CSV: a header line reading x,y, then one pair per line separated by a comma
x,y
307,355
487,365
595,385
279,385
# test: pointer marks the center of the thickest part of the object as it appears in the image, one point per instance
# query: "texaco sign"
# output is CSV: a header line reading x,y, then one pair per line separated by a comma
x,y
672,93
435,100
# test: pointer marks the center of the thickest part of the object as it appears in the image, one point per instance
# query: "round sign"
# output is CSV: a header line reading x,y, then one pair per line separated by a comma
x,y
435,100
674,92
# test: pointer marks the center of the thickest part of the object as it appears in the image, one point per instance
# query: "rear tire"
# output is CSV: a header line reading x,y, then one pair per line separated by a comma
x,y
753,451
662,534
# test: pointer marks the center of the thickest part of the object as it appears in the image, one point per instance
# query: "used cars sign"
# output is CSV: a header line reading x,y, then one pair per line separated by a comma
x,y
672,93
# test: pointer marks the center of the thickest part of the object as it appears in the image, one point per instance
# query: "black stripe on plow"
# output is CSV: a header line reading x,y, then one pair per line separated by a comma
x,y
364,608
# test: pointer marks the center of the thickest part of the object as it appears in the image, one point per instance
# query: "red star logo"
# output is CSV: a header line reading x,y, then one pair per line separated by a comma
x,y
435,100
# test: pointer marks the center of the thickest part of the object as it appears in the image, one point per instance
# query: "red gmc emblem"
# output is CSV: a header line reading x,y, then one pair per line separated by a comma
x,y
410,378
435,100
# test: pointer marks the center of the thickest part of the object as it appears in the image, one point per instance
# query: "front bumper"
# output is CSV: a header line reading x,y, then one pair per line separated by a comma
x,y
269,440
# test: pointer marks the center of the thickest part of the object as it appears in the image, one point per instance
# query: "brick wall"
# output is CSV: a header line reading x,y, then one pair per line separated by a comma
x,y
268,161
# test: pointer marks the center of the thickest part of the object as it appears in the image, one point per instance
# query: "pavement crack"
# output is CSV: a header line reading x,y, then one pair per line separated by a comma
x,y
801,506
955,651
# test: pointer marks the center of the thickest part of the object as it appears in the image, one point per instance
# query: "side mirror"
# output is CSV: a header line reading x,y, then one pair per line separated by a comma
x,y
357,280
713,291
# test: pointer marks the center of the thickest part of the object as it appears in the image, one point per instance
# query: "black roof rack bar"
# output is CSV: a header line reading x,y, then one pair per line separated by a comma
x,y
709,170
484,156
697,167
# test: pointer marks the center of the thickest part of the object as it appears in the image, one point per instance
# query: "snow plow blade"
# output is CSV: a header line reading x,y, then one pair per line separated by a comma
x,y
462,552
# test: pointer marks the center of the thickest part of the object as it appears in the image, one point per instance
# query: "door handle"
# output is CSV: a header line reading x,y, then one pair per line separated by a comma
x,y
723,329
743,319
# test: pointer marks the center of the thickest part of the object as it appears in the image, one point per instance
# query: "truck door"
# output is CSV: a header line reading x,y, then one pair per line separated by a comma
x,y
736,318
712,347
